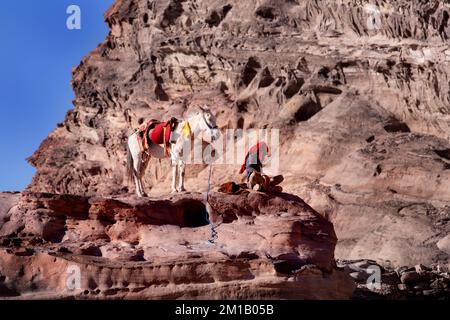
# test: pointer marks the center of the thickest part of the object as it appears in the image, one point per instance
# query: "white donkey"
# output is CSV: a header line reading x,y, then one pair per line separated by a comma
x,y
200,123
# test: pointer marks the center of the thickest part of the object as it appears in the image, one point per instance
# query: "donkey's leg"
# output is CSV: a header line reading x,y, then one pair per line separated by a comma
x,y
136,157
182,167
138,173
137,183
143,168
141,187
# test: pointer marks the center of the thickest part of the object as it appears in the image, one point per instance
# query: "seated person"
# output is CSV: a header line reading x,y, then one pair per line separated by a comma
x,y
253,165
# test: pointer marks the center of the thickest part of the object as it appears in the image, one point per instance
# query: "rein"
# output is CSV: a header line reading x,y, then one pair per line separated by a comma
x,y
214,235
211,127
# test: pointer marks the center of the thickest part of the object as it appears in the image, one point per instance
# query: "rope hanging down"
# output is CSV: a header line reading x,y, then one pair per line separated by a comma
x,y
213,226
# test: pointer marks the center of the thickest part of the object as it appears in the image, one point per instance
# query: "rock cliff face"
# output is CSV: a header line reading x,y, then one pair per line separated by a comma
x,y
127,247
359,90
257,64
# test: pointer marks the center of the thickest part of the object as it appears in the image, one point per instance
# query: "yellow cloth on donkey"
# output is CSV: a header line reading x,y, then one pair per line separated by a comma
x,y
186,130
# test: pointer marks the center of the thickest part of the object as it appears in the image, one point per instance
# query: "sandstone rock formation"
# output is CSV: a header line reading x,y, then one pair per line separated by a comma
x,y
127,247
359,91
7,202
257,63
415,283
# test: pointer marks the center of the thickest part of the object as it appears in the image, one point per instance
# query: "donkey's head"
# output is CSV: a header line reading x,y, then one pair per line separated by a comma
x,y
207,123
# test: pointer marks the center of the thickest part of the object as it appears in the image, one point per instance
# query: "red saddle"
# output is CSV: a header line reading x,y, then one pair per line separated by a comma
x,y
155,132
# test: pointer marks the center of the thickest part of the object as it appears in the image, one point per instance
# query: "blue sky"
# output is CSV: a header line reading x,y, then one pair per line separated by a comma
x,y
37,53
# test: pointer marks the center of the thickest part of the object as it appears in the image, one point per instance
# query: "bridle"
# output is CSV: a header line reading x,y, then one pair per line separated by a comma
x,y
209,125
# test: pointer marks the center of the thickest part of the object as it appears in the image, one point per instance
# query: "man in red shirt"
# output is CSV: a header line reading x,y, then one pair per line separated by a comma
x,y
253,165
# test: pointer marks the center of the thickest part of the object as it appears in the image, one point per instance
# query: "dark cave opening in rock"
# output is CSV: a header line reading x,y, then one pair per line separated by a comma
x,y
160,93
242,106
172,13
226,9
307,111
266,79
445,153
394,125
250,70
293,87
288,263
324,72
54,230
194,213
265,13
214,19
145,18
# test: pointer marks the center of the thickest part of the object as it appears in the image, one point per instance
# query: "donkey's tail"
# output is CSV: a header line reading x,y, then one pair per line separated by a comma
x,y
130,164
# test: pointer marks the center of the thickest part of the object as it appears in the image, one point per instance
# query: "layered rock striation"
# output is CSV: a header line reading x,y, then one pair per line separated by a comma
x,y
358,89
267,246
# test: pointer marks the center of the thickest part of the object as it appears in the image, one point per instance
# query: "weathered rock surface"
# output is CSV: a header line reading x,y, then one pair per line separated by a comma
x,y
387,193
360,93
128,247
374,282
7,201
257,63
